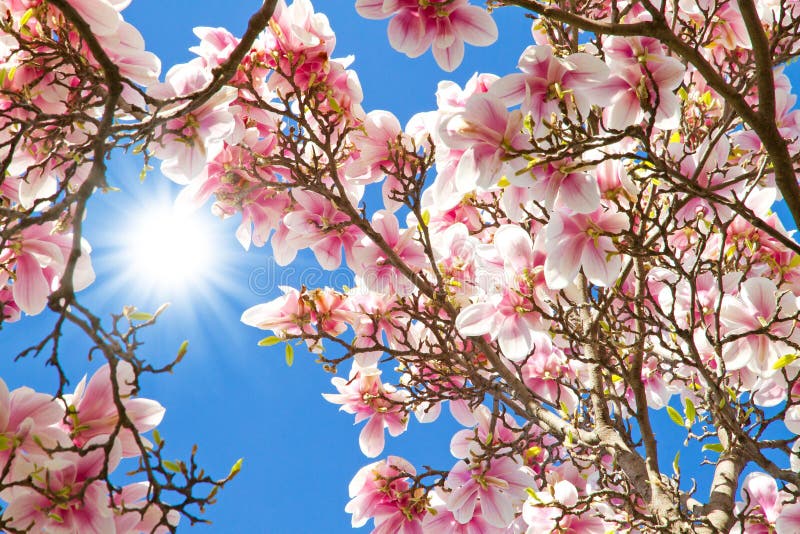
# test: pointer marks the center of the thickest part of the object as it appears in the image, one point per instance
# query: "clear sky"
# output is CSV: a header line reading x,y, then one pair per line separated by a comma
x,y
229,396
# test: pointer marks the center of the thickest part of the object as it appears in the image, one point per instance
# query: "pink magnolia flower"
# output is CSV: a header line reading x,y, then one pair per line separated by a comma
x,y
561,184
299,43
93,412
380,132
509,315
371,263
287,315
787,116
543,518
508,318
546,372
501,430
316,222
743,317
484,138
498,486
455,254
641,73
375,317
577,241
40,260
442,25
216,44
66,497
380,405
28,422
186,144
728,29
139,515
381,490
760,493
546,82
443,520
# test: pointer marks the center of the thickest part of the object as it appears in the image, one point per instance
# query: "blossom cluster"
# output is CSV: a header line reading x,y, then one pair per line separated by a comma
x,y
557,253
56,455
52,106
578,195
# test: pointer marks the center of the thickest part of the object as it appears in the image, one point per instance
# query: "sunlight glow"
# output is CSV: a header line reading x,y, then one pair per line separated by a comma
x,y
169,250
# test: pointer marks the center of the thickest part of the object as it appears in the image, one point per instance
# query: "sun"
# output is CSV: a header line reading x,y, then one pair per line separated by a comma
x,y
168,249
149,250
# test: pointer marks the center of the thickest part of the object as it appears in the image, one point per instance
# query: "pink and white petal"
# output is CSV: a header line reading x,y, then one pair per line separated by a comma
x,y
515,338
462,501
563,254
792,419
461,412
477,319
788,521
26,403
761,293
407,34
514,245
496,507
386,224
5,406
474,25
460,443
510,89
467,174
579,192
761,489
101,16
668,113
328,252
372,439
372,9
30,289
84,274
624,112
449,58
668,73
566,493
601,268
146,414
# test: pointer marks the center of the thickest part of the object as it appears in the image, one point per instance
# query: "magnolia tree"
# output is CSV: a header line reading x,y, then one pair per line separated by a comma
x,y
560,255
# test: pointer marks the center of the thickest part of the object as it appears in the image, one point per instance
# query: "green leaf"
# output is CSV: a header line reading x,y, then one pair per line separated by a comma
x,y
157,437
690,412
26,17
140,316
182,349
426,217
675,463
289,355
675,416
269,341
784,360
236,468
715,447
172,466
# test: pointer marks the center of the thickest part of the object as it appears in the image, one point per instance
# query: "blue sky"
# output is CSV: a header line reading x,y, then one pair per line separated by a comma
x,y
229,396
